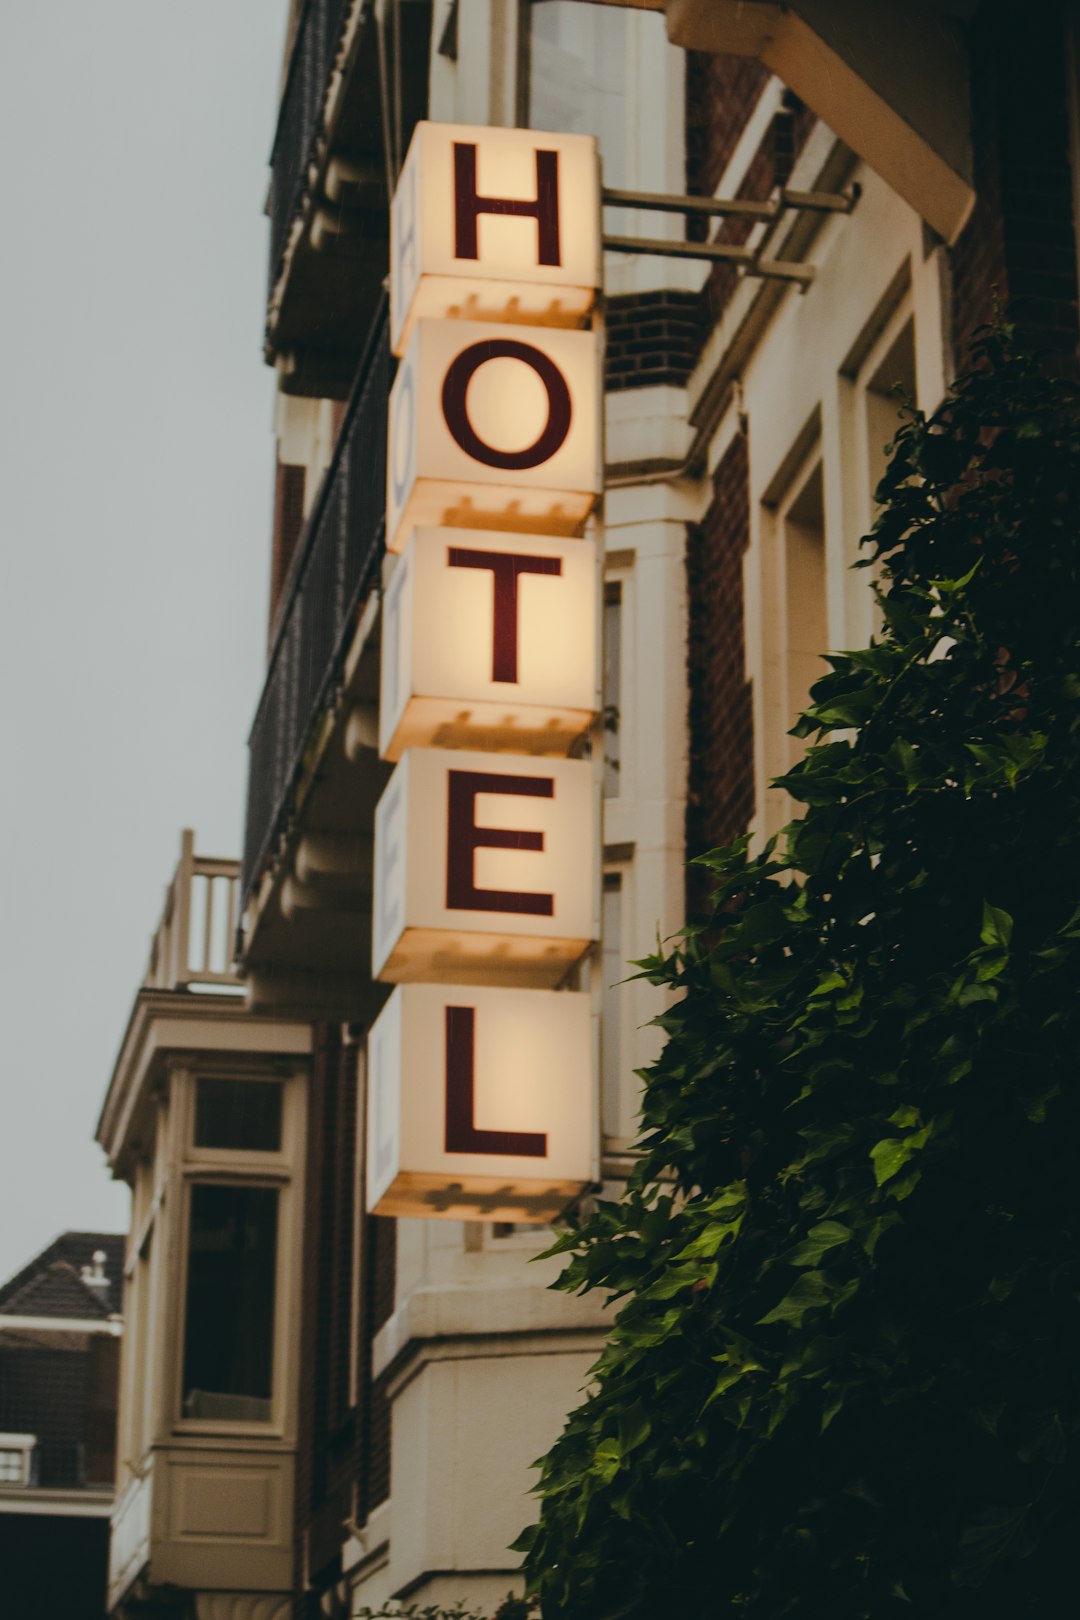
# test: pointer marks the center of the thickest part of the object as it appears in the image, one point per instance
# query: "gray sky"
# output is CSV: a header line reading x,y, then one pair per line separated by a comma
x,y
136,465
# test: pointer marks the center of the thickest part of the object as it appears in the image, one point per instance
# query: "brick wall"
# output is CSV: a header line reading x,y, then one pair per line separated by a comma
x,y
657,337
720,790
771,166
326,1457
652,338
343,1462
1021,236
721,93
373,1474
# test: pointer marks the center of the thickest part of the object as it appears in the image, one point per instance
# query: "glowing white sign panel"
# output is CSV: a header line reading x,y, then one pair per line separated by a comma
x,y
485,868
494,426
480,1102
489,641
494,224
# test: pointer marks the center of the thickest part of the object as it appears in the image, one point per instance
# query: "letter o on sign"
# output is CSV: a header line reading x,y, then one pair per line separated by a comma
x,y
402,433
455,388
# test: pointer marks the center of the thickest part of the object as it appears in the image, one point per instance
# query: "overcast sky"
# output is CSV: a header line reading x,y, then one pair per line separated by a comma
x,y
136,465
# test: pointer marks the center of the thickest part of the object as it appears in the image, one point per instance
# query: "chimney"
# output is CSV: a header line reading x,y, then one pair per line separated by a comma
x,y
94,1276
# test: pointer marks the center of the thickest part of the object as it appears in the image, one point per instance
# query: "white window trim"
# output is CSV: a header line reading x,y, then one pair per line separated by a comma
x,y
23,1446
281,1171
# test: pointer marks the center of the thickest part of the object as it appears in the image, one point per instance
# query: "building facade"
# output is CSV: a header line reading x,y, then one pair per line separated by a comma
x,y
806,207
60,1329
204,1119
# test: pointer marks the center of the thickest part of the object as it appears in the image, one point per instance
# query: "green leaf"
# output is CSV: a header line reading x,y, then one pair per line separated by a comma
x,y
634,1428
997,926
809,1293
892,1153
820,1239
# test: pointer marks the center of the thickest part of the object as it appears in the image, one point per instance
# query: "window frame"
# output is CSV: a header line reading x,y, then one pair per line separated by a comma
x,y
280,1171
23,1446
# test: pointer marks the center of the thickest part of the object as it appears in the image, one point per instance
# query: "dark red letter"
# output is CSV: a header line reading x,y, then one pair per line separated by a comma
x,y
462,1135
455,410
469,205
506,566
464,838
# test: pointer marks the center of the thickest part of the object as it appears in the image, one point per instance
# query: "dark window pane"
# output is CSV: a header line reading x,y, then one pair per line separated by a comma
x,y
229,1324
238,1114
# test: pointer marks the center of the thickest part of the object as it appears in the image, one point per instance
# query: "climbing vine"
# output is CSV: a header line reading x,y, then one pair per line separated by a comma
x,y
842,1382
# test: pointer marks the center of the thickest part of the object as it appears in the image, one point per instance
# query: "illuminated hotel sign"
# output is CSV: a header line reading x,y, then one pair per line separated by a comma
x,y
494,423
482,1073
522,671
490,225
484,866
483,1090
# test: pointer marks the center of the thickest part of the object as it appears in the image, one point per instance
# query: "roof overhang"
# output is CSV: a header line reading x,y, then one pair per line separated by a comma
x,y
165,1023
891,81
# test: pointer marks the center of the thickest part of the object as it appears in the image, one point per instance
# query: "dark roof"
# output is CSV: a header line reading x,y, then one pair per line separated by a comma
x,y
52,1284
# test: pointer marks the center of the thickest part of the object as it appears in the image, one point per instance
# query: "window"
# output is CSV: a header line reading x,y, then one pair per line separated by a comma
x,y
577,74
243,1115
612,687
17,1455
891,380
794,623
804,592
226,1360
614,968
229,1316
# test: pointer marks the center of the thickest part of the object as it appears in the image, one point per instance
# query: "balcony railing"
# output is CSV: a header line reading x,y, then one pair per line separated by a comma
x,y
336,565
193,945
318,35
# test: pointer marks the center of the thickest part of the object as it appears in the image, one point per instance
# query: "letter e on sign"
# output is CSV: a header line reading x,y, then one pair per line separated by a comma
x,y
484,875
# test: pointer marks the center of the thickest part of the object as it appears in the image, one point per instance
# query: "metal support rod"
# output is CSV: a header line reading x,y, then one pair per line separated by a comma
x,y
725,252
822,202
660,202
714,252
666,203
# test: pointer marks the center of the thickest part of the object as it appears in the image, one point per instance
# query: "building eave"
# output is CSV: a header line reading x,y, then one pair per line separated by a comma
x,y
168,1022
52,1503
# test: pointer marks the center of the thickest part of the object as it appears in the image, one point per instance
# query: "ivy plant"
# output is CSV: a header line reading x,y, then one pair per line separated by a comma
x,y
843,1381
511,1608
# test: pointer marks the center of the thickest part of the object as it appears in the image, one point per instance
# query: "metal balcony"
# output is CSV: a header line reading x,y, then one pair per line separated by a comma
x,y
354,88
333,576
300,118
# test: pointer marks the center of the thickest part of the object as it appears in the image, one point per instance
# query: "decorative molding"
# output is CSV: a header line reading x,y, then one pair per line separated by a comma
x,y
51,1502
243,1605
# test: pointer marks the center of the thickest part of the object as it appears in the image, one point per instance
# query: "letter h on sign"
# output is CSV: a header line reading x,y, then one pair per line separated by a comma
x,y
469,205
489,222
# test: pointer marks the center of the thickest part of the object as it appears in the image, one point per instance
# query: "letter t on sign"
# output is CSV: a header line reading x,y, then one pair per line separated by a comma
x,y
505,566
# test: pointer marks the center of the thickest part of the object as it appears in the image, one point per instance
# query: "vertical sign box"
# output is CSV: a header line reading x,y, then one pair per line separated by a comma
x,y
485,868
497,425
489,641
494,225
480,1101
482,1078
